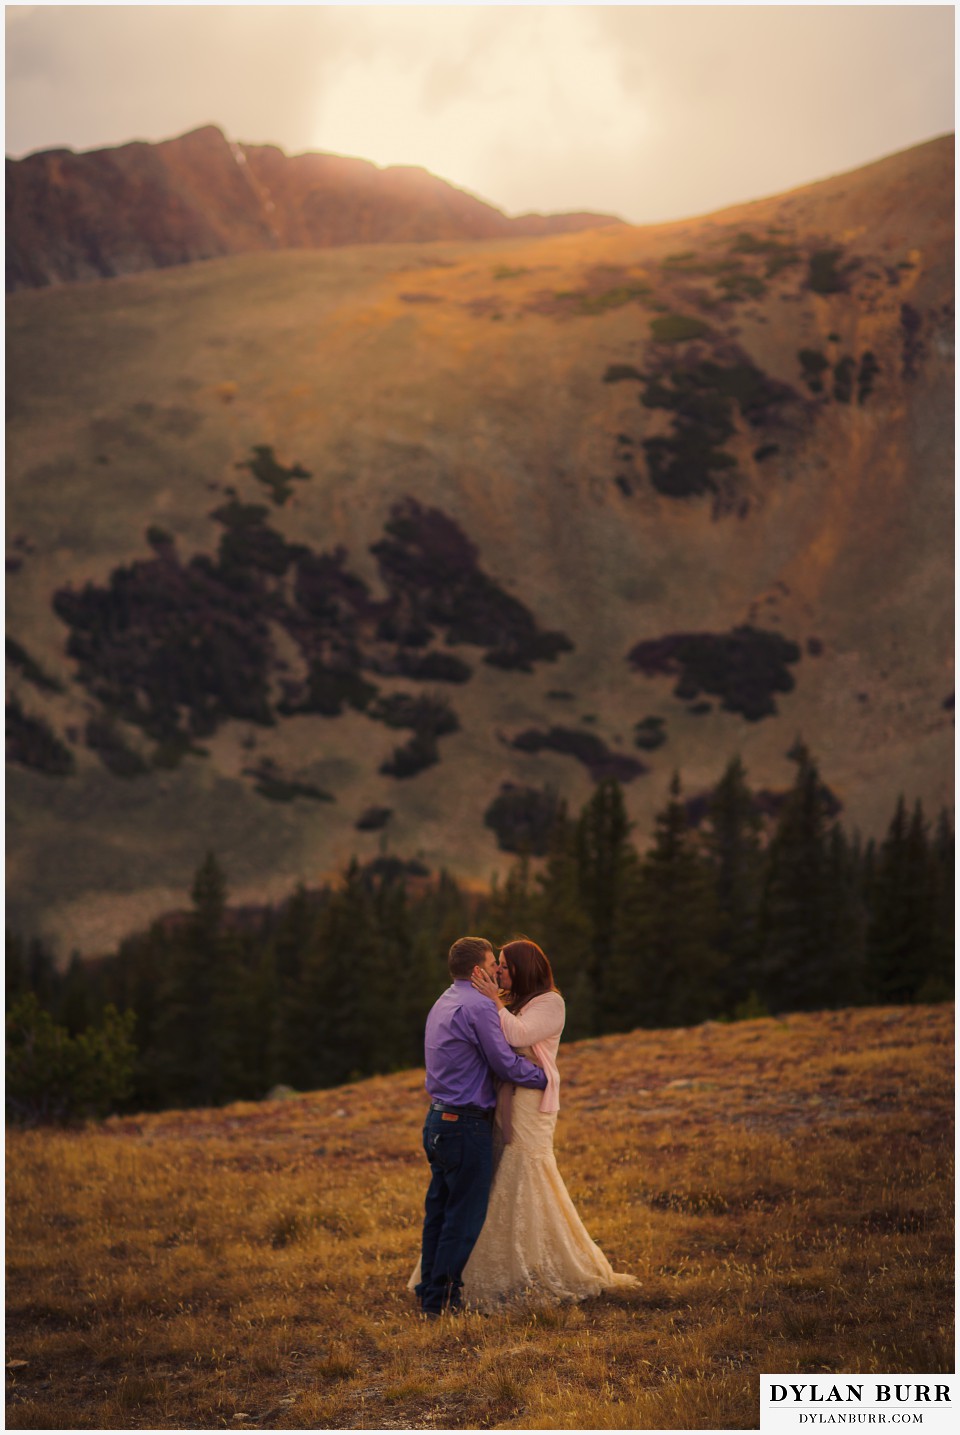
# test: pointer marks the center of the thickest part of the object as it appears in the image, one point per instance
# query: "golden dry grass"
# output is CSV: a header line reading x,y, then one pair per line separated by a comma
x,y
782,1188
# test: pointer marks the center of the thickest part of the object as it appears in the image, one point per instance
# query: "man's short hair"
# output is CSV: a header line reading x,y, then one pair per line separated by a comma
x,y
465,954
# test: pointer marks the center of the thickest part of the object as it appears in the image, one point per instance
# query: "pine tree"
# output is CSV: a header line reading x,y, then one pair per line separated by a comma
x,y
796,962
356,988
902,939
291,951
510,908
188,1041
29,967
604,856
401,1034
939,983
846,918
75,1002
241,1018
443,913
626,999
667,936
137,980
732,849
563,929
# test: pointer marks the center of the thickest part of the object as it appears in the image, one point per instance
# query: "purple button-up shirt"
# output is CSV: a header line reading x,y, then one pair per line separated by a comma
x,y
465,1049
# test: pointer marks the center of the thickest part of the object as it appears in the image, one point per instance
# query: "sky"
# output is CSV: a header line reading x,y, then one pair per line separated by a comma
x,y
651,113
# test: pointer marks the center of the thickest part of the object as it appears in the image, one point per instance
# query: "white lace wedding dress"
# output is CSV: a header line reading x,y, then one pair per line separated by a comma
x,y
533,1245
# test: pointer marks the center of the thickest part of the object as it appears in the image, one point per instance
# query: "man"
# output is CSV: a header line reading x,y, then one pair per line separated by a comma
x,y
465,1050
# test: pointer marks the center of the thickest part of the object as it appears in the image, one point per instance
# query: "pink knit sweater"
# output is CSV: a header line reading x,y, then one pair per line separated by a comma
x,y
538,1027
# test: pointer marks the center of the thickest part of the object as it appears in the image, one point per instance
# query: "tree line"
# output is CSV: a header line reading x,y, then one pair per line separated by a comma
x,y
734,916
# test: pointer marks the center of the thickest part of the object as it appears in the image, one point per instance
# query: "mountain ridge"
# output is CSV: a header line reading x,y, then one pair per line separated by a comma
x,y
134,207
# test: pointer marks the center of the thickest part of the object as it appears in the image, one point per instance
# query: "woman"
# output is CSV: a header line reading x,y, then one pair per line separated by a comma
x,y
533,1243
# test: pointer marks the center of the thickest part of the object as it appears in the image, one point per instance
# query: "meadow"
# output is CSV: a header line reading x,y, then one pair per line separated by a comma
x,y
783,1188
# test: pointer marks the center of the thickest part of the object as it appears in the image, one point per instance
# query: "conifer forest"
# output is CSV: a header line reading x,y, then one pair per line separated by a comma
x,y
729,910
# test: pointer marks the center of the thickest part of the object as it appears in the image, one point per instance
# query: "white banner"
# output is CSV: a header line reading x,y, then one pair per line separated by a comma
x,y
812,1403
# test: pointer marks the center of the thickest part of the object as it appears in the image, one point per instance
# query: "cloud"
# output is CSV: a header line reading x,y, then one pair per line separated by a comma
x,y
474,105
749,101
652,112
91,76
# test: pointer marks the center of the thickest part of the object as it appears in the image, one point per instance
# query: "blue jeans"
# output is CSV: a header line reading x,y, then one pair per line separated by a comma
x,y
460,1153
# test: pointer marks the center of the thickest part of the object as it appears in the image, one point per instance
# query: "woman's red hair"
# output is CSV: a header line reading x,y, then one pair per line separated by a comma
x,y
530,971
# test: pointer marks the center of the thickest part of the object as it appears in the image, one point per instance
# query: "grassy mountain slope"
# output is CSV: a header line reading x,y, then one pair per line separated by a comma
x,y
782,1188
738,421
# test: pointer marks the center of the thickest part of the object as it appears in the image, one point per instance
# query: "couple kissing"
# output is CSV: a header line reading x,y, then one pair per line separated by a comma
x,y
499,1224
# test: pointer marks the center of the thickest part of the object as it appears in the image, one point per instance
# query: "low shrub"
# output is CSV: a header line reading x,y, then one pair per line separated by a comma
x,y
910,323
423,714
521,652
275,787
18,657
103,738
523,818
614,298
329,690
824,274
843,380
649,734
414,756
434,667
159,539
372,819
813,365
778,256
586,747
744,668
677,328
429,565
869,369
741,285
273,475
32,743
701,394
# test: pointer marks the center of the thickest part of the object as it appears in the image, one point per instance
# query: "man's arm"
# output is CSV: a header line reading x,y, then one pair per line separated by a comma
x,y
501,1058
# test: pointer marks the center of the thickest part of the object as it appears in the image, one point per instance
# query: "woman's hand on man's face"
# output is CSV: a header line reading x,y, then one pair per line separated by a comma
x,y
485,984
